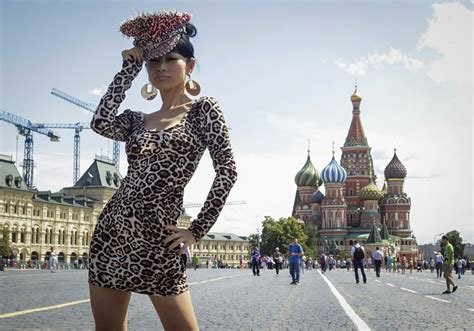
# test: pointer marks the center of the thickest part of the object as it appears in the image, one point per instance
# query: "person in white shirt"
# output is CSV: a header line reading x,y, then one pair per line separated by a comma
x,y
439,265
53,260
378,256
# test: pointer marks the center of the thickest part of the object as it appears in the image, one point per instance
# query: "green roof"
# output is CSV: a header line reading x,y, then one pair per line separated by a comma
x,y
101,173
222,236
358,235
59,198
9,175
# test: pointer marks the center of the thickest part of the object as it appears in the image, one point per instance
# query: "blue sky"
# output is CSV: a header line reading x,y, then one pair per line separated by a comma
x,y
283,72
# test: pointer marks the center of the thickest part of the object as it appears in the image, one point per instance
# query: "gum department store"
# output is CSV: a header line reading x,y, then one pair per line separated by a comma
x,y
65,220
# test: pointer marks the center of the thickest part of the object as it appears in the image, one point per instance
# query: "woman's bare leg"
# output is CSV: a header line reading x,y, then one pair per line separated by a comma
x,y
109,308
176,311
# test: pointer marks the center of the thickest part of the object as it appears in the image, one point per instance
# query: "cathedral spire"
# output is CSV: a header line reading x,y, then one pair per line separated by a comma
x,y
356,135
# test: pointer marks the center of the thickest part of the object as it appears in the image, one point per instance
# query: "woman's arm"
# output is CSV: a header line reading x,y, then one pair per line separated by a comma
x,y
218,142
105,122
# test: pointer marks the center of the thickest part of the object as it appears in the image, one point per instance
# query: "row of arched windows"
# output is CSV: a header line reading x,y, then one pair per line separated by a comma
x,y
19,236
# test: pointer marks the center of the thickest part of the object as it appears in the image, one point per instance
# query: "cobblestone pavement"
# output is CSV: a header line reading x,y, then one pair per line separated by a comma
x,y
236,300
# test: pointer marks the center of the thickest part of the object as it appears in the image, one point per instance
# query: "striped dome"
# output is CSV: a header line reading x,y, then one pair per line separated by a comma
x,y
395,169
370,192
317,197
308,175
334,173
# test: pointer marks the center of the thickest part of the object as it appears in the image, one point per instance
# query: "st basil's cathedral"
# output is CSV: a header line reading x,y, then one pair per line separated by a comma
x,y
352,206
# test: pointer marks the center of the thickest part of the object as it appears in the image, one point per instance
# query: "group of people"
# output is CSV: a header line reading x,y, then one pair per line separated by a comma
x,y
297,262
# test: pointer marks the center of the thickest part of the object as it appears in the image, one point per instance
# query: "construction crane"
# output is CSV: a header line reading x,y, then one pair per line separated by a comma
x,y
197,204
26,128
91,108
78,127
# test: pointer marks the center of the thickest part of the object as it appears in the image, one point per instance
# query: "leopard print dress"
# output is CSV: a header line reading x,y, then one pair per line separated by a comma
x,y
127,251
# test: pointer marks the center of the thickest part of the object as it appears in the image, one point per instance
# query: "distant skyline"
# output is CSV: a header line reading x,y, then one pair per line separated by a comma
x,y
283,73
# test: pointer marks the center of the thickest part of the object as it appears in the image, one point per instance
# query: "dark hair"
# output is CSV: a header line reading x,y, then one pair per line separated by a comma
x,y
444,237
184,46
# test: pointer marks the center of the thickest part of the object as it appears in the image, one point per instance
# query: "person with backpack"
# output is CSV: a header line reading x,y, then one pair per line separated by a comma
x,y
358,255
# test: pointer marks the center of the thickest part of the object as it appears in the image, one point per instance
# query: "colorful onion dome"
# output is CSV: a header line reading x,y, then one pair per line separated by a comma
x,y
355,97
395,169
333,173
370,192
308,175
317,197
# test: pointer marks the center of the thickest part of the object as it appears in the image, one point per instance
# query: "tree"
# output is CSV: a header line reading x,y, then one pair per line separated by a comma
x,y
281,234
455,239
253,241
5,248
311,231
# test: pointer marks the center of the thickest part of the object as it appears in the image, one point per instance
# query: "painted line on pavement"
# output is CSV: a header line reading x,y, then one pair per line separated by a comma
x,y
390,284
35,310
378,281
406,289
359,323
442,300
470,309
216,279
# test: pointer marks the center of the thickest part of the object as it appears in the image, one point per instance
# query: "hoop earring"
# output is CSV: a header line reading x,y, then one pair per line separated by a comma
x,y
192,87
149,92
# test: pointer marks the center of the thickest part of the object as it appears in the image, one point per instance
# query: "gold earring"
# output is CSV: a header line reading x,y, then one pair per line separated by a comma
x,y
192,87
149,92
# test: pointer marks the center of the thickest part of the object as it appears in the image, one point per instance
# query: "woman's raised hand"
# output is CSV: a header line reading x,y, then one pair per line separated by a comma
x,y
133,54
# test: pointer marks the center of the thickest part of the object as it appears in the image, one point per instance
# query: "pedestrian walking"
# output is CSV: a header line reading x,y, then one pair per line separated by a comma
x,y
459,266
53,261
135,246
448,265
256,262
295,251
378,256
278,259
432,265
358,255
404,263
389,264
439,265
323,262
195,261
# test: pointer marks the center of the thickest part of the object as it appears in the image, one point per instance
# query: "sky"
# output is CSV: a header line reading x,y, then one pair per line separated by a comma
x,y
283,72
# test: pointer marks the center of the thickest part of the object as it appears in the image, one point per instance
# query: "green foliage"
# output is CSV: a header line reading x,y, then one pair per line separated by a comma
x,y
455,239
311,232
5,249
281,234
253,241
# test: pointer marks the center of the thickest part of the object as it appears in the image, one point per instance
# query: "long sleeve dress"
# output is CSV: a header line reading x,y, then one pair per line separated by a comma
x,y
127,251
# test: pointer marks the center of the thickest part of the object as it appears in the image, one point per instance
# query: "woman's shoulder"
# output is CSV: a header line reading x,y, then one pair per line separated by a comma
x,y
207,102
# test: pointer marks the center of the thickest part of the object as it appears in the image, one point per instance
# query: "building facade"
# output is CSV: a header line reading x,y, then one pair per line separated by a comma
x,y
352,207
40,220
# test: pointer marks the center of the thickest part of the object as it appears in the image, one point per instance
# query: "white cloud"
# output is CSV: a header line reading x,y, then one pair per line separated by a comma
x,y
450,34
97,91
359,66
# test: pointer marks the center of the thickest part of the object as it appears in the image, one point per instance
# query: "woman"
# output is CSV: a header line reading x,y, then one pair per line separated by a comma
x,y
136,243
53,260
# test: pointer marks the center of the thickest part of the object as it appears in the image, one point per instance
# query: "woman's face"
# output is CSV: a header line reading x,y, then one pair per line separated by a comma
x,y
169,71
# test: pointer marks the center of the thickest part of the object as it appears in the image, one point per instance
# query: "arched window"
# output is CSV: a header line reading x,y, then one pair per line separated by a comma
x,y
14,234
23,235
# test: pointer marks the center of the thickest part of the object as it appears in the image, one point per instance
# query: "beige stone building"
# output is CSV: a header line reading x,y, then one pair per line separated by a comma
x,y
65,220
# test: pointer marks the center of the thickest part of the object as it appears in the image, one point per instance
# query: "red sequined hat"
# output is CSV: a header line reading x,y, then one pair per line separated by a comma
x,y
156,33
